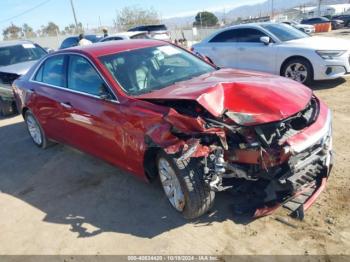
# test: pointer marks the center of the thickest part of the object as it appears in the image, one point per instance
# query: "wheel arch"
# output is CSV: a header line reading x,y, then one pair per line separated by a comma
x,y
149,163
296,57
24,110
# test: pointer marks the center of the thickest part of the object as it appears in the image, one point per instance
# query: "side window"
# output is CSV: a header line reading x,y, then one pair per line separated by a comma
x,y
249,35
226,36
52,71
39,74
83,77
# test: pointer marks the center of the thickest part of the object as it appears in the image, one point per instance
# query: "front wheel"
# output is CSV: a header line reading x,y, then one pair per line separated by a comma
x,y
184,185
298,69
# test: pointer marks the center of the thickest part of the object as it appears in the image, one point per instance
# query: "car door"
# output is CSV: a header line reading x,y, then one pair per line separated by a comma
x,y
92,113
252,54
222,49
45,89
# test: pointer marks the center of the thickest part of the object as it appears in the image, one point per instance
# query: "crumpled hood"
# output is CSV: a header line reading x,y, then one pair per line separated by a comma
x,y
264,98
19,69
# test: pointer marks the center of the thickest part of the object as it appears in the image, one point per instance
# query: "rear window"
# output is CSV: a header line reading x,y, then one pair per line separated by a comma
x,y
93,38
69,42
149,28
74,41
140,36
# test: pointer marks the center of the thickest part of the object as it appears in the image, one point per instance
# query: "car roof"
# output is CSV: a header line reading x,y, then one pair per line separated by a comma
x,y
112,47
128,34
14,42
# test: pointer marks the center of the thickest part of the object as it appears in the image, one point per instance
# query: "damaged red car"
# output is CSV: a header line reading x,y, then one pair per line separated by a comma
x,y
159,111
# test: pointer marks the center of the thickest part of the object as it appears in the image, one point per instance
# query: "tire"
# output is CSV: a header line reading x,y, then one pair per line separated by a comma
x,y
198,198
40,138
304,66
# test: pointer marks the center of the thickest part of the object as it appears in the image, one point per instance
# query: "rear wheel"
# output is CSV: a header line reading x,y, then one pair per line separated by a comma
x,y
35,130
184,185
298,69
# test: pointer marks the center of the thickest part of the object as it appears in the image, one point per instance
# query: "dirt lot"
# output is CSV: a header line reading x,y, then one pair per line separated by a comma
x,y
61,201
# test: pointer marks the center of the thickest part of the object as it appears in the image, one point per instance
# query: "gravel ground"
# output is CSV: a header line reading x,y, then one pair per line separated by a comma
x,y
61,201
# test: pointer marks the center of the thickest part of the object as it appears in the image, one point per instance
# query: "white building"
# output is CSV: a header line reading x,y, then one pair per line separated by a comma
x,y
325,10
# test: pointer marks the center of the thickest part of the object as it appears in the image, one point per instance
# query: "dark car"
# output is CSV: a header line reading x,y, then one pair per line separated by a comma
x,y
344,18
159,32
74,40
159,111
16,58
336,24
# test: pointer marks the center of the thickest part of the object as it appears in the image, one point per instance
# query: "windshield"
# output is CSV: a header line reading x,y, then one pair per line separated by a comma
x,y
285,32
15,54
148,69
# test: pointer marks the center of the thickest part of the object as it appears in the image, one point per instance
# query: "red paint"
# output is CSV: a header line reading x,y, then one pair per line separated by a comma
x,y
269,98
311,130
316,194
265,211
120,133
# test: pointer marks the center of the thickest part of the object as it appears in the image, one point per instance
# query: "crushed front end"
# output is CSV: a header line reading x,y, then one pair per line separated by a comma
x,y
288,160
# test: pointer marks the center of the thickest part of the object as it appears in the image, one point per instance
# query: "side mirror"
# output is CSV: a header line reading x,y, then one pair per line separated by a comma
x,y
265,40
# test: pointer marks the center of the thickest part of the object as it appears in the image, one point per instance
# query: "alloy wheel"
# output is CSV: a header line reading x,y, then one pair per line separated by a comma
x,y
297,72
34,129
171,184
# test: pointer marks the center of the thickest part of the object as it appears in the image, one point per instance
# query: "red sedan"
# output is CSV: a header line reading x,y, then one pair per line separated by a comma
x,y
157,110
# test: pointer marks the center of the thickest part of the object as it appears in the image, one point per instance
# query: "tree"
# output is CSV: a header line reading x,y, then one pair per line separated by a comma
x,y
28,31
133,16
12,32
51,29
70,29
205,19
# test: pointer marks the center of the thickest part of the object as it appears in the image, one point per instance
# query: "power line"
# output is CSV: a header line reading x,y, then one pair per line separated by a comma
x,y
24,12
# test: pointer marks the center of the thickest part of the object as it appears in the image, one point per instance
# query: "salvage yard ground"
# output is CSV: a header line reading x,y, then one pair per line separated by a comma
x,y
61,201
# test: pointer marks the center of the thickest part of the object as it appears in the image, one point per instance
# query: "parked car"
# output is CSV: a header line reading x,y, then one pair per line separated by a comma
x,y
344,18
16,57
159,32
74,40
308,29
278,49
336,24
183,120
126,36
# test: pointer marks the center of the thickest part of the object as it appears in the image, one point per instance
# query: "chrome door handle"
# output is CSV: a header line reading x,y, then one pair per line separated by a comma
x,y
30,91
66,105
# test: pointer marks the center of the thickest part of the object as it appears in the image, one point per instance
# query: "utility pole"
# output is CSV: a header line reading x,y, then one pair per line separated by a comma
x,y
319,7
75,16
272,9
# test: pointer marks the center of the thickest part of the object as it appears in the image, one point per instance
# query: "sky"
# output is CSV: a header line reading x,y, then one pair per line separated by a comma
x,y
40,12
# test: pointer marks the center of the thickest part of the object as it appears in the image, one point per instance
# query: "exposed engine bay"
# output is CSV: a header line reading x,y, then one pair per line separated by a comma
x,y
7,102
255,153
